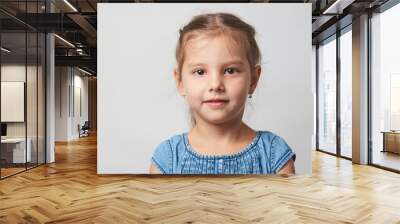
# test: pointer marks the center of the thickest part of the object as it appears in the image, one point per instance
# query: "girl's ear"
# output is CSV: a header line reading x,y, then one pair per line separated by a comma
x,y
254,79
179,84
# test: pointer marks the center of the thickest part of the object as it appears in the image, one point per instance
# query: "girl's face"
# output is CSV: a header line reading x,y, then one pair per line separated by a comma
x,y
216,78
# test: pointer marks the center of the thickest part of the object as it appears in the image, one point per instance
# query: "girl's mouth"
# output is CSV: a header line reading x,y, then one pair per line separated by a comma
x,y
216,103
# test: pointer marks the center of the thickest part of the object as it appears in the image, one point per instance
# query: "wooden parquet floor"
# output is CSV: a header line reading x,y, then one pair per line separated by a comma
x,y
70,191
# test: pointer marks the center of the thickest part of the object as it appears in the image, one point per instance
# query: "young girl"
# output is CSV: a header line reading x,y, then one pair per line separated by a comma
x,y
218,66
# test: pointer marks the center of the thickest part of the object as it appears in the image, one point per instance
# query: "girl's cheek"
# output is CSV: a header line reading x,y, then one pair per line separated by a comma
x,y
194,102
195,96
195,86
241,93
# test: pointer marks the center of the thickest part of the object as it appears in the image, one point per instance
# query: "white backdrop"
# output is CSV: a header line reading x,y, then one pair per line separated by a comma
x,y
139,106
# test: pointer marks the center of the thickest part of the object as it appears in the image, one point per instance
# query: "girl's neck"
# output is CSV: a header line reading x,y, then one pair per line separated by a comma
x,y
211,131
228,138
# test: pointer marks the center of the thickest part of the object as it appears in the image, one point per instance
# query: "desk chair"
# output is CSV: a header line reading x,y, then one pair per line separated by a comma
x,y
84,130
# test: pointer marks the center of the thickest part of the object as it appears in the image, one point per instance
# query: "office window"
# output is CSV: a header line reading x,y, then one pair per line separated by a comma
x,y
385,91
346,94
327,96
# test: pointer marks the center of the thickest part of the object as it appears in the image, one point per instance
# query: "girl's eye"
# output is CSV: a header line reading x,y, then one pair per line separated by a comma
x,y
199,71
231,70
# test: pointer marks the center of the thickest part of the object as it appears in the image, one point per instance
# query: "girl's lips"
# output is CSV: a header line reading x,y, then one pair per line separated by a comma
x,y
216,103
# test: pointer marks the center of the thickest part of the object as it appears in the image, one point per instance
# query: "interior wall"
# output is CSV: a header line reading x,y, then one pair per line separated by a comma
x,y
70,109
61,103
16,72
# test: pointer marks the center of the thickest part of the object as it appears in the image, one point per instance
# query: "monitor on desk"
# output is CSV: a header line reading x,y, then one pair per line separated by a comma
x,y
3,130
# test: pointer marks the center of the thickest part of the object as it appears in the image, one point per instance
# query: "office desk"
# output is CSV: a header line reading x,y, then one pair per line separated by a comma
x,y
13,150
391,141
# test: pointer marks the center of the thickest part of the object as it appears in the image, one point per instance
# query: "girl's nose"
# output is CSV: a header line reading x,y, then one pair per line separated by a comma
x,y
216,82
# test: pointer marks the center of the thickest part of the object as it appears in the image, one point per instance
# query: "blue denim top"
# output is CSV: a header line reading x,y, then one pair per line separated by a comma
x,y
266,154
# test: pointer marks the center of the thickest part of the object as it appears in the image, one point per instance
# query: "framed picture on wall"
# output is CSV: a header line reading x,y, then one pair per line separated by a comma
x,y
12,101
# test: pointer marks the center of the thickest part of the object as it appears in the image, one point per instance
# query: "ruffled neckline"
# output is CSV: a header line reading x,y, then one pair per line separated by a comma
x,y
229,156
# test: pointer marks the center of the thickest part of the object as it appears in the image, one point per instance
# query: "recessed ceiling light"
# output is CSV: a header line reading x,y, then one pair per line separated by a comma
x,y
337,7
5,49
84,71
64,40
70,5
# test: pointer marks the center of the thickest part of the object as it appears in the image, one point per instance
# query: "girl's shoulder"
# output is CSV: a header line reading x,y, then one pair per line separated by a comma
x,y
276,149
267,136
167,152
173,141
272,141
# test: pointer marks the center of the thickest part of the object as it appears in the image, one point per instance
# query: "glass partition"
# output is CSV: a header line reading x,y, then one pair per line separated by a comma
x,y
41,107
31,100
22,77
34,60
13,109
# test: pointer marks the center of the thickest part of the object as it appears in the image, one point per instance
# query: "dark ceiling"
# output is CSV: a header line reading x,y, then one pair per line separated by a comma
x,y
76,22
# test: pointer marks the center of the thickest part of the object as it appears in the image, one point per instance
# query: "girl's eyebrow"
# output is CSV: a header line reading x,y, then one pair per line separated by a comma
x,y
236,62
196,64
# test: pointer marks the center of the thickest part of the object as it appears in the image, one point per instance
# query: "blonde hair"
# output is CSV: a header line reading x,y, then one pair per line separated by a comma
x,y
217,24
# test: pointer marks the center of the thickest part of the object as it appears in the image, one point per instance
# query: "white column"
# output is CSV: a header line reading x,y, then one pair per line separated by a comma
x,y
360,90
50,93
50,110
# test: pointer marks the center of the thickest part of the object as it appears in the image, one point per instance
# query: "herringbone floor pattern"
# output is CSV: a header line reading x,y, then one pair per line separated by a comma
x,y
70,191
